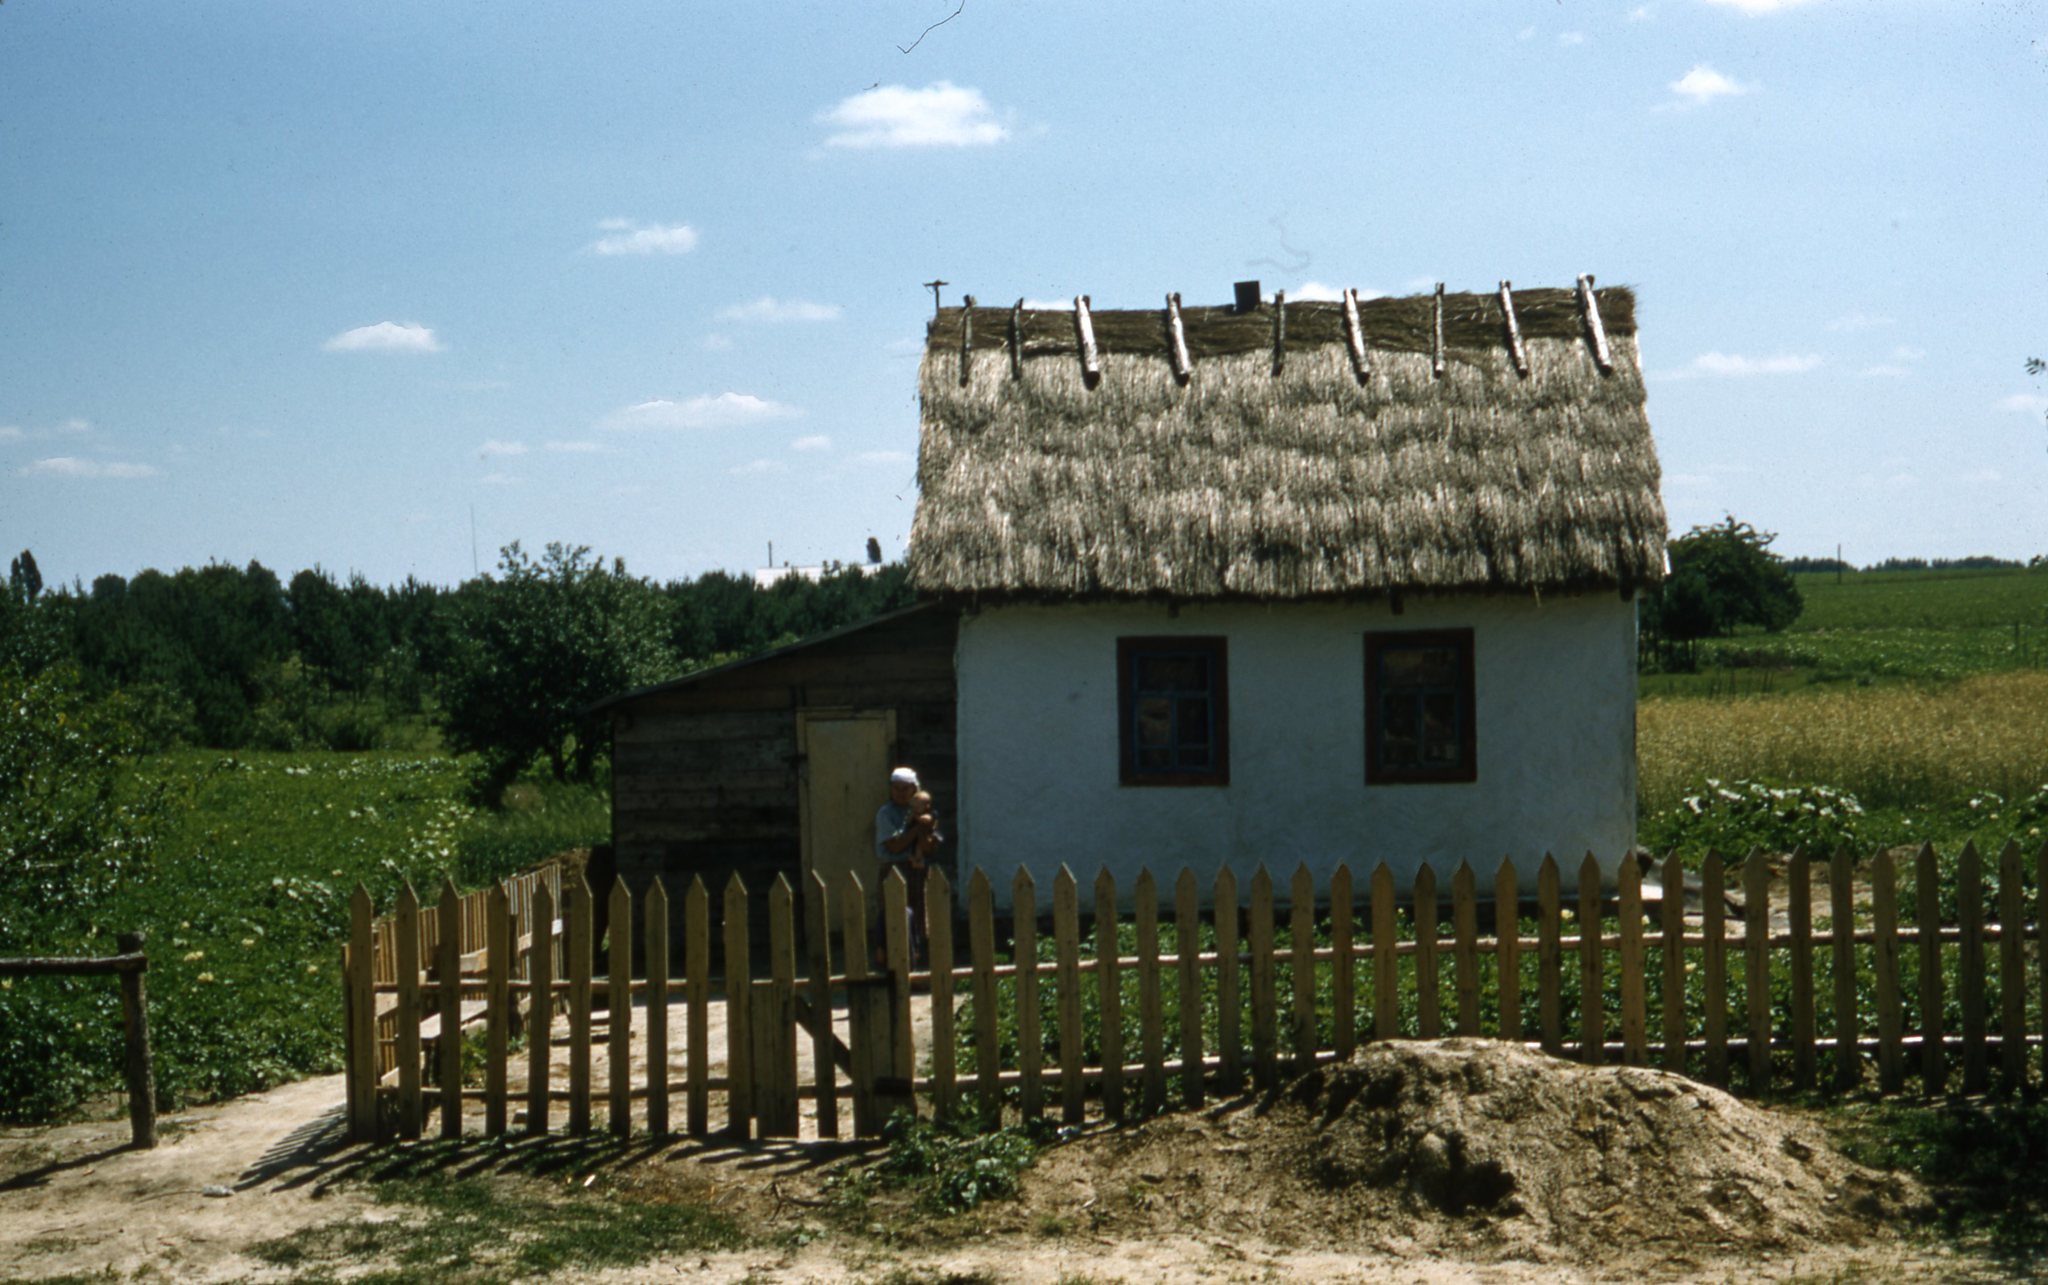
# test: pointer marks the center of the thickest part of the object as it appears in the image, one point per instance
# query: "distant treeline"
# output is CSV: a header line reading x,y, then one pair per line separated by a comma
x,y
1980,563
234,657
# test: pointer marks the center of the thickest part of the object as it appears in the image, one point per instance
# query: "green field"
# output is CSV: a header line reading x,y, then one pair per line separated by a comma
x,y
245,907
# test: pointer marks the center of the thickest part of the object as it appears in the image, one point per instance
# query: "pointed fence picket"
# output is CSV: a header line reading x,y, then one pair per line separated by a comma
x,y
1168,1019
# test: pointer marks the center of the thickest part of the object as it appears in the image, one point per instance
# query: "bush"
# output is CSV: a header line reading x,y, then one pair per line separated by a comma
x,y
955,1170
1735,817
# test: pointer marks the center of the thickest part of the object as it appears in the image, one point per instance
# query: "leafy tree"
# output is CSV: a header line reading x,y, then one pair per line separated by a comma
x,y
535,646
1722,577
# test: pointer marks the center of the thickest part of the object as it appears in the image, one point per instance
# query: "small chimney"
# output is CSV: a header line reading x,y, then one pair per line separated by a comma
x,y
1247,296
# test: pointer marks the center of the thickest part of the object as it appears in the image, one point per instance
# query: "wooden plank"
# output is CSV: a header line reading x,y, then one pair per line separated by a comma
x,y
1507,950
1756,960
138,1065
1343,963
1589,304
2012,976
1428,994
1799,925
1229,985
853,934
697,994
578,929
896,954
1842,917
1030,1034
1386,977
1884,953
1927,895
739,1016
407,929
1635,1036
981,944
818,987
655,908
938,909
1177,339
1970,965
1592,968
448,1003
1464,947
619,1011
1151,1027
1714,965
540,1008
1301,932
362,1016
1109,996
1515,349
497,1008
778,1111
1264,1071
1671,912
1066,936
1549,957
1187,945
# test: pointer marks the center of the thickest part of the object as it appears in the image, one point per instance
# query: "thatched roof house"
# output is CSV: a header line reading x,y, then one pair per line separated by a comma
x,y
1282,460
1372,558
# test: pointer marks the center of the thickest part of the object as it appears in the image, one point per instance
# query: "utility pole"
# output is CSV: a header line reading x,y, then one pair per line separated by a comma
x,y
933,286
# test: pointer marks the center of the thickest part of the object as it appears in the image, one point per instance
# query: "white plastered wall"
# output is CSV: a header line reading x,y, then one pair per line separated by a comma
x,y
1555,724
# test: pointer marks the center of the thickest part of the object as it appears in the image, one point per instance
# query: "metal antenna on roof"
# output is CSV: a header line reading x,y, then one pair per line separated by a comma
x,y
933,286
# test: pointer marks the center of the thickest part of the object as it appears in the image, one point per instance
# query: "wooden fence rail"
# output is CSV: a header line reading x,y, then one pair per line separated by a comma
x,y
130,966
1180,1000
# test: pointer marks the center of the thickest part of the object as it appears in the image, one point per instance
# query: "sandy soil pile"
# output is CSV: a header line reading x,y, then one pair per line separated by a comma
x,y
1484,1149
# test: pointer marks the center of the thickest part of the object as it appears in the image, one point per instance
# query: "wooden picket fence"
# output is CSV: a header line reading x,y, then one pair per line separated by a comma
x,y
1258,985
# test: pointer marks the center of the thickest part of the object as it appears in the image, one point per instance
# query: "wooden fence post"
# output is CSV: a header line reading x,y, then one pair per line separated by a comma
x,y
1507,950
1229,984
1066,936
1884,915
1635,1036
540,1007
1343,962
818,946
697,995
1187,939
1428,994
896,955
2012,976
1301,933
1970,965
1465,947
1109,992
775,1021
448,964
1386,962
1151,1036
1842,912
619,1002
497,1006
739,1010
1714,963
1592,971
580,927
1671,910
1030,1035
1264,1074
1927,919
1756,951
981,946
408,952
1549,957
140,1064
1799,921
938,901
656,950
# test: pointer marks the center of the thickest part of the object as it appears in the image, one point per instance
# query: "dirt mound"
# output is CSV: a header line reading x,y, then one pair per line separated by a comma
x,y
1484,1149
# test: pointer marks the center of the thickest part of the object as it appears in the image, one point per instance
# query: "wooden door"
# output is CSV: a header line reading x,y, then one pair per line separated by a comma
x,y
845,778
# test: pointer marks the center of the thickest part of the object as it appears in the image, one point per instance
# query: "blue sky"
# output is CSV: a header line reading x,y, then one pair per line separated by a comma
x,y
316,283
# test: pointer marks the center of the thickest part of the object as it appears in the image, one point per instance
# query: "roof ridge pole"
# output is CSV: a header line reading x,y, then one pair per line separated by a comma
x,y
1436,366
1279,330
966,339
1084,331
1017,340
1589,304
1354,335
1507,307
1178,339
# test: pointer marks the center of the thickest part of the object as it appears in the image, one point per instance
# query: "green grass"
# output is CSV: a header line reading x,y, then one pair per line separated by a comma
x,y
247,905
1984,1162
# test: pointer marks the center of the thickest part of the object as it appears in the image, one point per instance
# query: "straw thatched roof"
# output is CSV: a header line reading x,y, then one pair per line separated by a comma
x,y
1264,477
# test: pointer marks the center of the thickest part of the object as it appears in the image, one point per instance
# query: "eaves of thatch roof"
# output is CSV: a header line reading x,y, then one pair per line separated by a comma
x,y
1306,450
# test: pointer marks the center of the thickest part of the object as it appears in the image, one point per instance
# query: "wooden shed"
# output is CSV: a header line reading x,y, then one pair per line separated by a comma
x,y
775,765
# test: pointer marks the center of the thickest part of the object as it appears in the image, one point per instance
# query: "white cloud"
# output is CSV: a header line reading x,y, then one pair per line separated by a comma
x,y
1702,85
1980,477
1883,370
1043,305
815,442
1641,13
75,426
769,308
700,412
1317,292
628,237
1721,365
2025,403
71,466
1526,33
1757,6
753,467
11,433
716,343
939,115
1906,352
494,447
575,448
385,336
1860,321
1571,38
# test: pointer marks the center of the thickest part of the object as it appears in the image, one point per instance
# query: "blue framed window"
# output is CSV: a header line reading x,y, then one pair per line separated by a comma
x,y
1173,709
1419,720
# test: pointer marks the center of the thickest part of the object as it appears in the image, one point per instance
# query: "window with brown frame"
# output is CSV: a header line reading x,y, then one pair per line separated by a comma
x,y
1173,711
1419,726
